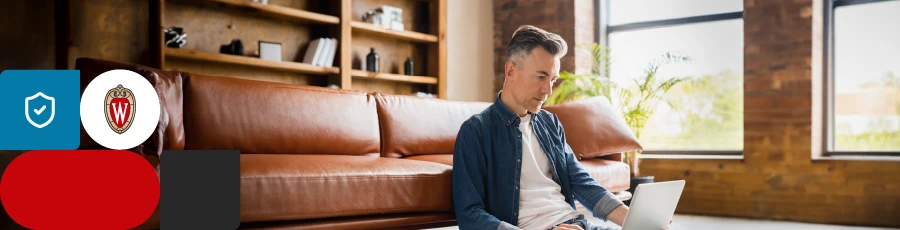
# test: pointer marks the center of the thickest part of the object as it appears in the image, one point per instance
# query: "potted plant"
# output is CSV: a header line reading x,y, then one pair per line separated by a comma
x,y
636,101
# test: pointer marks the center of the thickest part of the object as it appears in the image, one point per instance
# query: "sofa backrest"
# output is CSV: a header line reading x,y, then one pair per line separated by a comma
x,y
418,126
274,118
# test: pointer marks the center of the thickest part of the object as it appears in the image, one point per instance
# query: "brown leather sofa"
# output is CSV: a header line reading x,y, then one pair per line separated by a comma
x,y
315,158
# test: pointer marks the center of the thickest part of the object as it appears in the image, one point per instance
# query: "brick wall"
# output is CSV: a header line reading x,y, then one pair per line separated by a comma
x,y
557,16
778,178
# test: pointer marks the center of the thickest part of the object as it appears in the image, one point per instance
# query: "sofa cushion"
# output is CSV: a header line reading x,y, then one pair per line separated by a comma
x,y
612,175
266,117
296,187
593,128
417,126
446,159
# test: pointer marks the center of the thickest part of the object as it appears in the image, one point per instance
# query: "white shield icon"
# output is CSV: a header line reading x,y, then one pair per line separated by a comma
x,y
41,110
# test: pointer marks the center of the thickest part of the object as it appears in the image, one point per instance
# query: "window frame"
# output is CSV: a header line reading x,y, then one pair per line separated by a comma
x,y
828,143
603,29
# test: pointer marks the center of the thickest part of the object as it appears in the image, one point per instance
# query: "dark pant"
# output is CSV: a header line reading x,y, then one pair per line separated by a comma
x,y
580,221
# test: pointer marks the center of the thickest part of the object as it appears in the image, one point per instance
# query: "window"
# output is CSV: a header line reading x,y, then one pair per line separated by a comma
x,y
864,93
706,116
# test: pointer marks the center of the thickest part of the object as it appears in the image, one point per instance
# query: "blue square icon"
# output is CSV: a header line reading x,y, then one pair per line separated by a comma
x,y
39,109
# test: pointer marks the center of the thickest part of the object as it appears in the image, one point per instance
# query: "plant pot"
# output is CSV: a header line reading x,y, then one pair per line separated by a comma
x,y
635,181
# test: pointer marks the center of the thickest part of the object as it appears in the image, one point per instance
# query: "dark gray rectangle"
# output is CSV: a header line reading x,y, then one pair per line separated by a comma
x,y
200,189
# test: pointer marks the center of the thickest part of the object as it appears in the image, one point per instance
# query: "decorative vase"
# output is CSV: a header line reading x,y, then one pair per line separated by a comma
x,y
372,61
408,67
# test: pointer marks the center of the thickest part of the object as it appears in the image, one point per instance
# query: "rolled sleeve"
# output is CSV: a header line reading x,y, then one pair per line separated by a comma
x,y
606,205
506,226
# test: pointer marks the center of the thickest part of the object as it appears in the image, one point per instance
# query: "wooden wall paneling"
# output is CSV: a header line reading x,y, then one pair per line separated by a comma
x,y
28,44
61,30
157,37
113,30
27,35
345,59
439,50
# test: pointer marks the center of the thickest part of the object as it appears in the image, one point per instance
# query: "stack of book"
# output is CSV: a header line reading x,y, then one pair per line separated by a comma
x,y
321,52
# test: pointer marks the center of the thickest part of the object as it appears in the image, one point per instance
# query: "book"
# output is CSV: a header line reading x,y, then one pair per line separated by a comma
x,y
311,51
324,55
331,53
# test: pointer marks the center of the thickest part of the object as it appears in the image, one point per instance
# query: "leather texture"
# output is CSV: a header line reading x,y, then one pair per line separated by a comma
x,y
446,159
415,126
296,187
399,221
612,175
593,128
265,117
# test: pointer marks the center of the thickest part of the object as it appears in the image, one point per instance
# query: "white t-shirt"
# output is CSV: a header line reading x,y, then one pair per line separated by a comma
x,y
541,203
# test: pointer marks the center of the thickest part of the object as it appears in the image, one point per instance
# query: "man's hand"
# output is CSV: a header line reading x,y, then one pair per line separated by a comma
x,y
567,227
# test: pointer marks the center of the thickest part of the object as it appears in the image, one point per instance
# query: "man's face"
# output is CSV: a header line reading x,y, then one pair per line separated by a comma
x,y
531,80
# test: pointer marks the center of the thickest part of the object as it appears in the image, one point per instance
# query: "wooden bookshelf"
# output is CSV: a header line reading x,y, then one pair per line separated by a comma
x,y
405,35
250,61
211,23
282,11
394,77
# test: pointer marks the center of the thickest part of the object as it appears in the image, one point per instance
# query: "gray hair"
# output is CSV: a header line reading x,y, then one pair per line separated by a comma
x,y
527,37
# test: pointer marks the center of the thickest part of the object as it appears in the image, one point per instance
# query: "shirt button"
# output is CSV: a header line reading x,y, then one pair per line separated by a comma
x,y
519,160
519,135
517,187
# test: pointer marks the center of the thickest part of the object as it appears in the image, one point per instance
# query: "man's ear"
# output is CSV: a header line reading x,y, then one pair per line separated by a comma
x,y
509,70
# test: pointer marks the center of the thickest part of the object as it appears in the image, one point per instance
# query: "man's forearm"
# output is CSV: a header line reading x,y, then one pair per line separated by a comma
x,y
618,215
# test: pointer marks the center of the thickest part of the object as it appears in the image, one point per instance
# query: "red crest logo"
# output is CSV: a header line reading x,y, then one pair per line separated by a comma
x,y
120,109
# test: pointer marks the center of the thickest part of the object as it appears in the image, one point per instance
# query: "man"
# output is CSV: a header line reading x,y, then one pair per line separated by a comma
x,y
512,167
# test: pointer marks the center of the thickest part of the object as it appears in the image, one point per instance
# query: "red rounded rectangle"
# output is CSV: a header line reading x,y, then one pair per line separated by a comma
x,y
97,189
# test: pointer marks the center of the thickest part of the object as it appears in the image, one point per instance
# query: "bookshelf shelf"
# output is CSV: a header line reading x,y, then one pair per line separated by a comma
x,y
250,61
282,11
394,77
405,35
295,25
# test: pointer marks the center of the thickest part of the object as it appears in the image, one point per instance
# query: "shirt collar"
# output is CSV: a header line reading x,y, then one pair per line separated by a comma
x,y
508,116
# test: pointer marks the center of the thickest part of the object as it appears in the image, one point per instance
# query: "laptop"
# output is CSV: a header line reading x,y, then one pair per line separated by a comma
x,y
653,205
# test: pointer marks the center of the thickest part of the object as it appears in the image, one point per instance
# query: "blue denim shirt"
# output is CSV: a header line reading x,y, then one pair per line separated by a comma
x,y
487,169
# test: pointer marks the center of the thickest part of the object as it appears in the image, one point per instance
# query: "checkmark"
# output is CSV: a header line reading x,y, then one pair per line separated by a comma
x,y
39,111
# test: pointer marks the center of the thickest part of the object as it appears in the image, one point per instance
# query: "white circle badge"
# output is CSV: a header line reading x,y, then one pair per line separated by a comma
x,y
119,109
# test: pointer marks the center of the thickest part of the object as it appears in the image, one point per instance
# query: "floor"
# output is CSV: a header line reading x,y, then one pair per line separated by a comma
x,y
692,222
